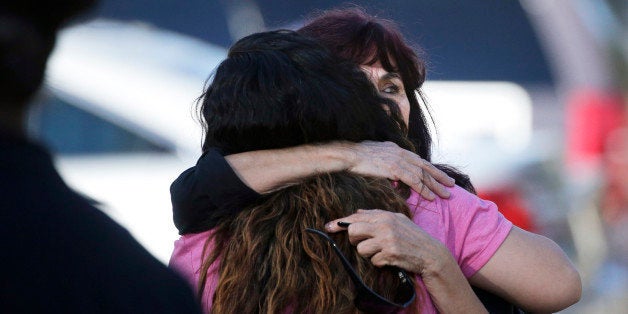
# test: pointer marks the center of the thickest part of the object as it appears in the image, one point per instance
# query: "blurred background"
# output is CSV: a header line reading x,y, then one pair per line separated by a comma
x,y
529,97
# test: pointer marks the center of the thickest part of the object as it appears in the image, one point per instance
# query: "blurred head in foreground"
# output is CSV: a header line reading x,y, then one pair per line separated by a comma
x,y
27,36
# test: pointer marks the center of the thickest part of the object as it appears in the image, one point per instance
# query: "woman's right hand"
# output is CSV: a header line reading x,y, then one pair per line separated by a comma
x,y
387,160
388,238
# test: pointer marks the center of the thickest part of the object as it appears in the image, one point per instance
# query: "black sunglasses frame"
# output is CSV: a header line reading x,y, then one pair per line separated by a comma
x,y
366,299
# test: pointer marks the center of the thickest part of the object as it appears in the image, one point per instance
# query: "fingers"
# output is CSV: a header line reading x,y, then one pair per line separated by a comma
x,y
380,260
422,181
386,159
368,248
374,251
425,178
436,179
437,174
361,216
415,179
365,232
391,239
368,224
408,173
433,186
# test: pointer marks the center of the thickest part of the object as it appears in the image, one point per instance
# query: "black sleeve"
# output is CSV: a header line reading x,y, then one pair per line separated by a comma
x,y
203,194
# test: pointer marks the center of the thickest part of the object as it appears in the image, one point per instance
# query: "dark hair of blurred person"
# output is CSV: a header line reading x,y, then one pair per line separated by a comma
x,y
59,253
27,37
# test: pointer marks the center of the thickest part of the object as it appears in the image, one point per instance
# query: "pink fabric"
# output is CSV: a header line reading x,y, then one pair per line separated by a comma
x,y
471,228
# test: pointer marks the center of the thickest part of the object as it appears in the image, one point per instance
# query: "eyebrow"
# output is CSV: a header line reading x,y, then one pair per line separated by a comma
x,y
391,75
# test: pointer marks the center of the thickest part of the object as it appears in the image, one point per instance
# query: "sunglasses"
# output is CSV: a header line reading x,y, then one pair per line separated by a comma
x,y
367,300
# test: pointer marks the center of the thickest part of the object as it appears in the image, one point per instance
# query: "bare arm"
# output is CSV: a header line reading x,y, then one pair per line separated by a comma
x,y
532,272
268,170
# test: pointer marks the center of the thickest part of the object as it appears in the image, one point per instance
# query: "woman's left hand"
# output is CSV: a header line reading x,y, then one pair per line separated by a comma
x,y
393,239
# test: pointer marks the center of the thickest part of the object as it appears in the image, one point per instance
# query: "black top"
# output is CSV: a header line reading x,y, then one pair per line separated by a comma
x,y
206,192
62,255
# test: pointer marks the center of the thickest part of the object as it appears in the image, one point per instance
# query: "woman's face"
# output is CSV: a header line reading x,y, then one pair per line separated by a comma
x,y
390,85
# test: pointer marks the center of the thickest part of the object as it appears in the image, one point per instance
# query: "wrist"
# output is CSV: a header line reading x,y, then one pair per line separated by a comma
x,y
450,290
439,266
332,157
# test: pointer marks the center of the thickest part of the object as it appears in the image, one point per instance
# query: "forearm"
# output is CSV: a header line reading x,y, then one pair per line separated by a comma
x,y
269,170
450,290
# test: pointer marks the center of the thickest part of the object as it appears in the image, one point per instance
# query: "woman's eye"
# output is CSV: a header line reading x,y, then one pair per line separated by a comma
x,y
390,89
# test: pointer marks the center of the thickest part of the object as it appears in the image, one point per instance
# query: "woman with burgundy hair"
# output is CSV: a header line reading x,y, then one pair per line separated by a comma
x,y
529,270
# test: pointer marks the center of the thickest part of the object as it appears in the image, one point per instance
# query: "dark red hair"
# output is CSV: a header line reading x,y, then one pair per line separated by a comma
x,y
352,34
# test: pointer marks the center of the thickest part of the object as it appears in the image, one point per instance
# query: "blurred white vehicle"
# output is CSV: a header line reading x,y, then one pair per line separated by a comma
x,y
117,110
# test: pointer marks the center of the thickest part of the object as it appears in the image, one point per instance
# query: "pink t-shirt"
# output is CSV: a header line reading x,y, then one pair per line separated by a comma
x,y
471,228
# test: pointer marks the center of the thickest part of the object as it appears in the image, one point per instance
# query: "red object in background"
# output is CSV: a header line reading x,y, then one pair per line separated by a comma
x,y
512,205
595,138
591,116
615,194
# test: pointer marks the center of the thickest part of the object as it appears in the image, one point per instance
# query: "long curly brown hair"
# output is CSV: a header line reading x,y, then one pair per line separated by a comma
x,y
269,264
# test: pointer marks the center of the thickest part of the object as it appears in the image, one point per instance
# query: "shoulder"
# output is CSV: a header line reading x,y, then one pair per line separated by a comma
x,y
188,253
463,202
443,217
460,201
461,210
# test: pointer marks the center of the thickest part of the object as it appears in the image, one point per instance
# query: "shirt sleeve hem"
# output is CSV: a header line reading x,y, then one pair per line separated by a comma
x,y
492,246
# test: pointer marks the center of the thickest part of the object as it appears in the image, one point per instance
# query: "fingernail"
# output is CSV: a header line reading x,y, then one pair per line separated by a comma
x,y
343,224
